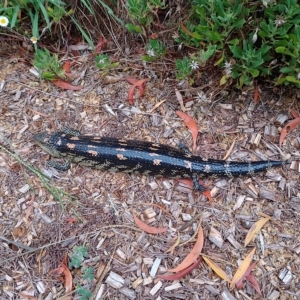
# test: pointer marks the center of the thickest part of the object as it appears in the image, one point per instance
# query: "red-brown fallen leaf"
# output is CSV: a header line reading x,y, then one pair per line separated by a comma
x,y
294,114
254,283
191,124
189,183
256,94
58,271
66,66
130,94
71,220
250,277
239,284
153,36
287,129
68,275
141,84
63,269
183,272
66,85
102,43
193,255
131,80
149,229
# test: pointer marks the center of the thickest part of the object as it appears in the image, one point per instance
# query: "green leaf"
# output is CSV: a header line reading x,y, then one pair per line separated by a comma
x,y
45,14
285,51
233,42
287,70
15,16
206,55
292,79
238,24
88,273
280,80
220,60
254,72
256,62
148,58
134,28
85,294
223,80
78,256
236,51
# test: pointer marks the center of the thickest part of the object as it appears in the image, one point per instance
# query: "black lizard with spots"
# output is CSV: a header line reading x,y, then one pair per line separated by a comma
x,y
147,158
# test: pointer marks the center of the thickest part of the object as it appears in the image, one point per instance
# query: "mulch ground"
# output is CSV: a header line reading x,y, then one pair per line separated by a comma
x,y
36,231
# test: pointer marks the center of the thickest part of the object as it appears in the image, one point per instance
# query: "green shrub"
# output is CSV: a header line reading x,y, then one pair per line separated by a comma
x,y
260,38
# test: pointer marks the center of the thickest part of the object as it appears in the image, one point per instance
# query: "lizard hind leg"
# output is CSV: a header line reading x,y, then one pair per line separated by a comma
x,y
184,148
197,185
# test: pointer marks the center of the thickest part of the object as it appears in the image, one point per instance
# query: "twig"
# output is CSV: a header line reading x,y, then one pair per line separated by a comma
x,y
17,244
81,235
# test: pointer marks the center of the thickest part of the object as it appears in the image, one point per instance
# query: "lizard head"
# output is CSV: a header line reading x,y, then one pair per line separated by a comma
x,y
48,142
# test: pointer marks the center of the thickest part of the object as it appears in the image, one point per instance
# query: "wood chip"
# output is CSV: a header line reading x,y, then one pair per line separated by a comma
x,y
233,242
156,288
215,237
267,194
274,295
121,254
149,213
153,185
100,269
41,287
115,280
239,201
137,282
129,293
148,261
147,280
155,266
281,118
226,295
285,275
173,287
24,189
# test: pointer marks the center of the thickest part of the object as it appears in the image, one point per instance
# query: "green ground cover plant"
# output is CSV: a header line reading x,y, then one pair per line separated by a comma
x,y
243,40
252,38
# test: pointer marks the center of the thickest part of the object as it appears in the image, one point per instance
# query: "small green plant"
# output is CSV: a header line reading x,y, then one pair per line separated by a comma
x,y
154,50
250,61
141,13
185,67
48,65
77,258
56,13
213,22
103,62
